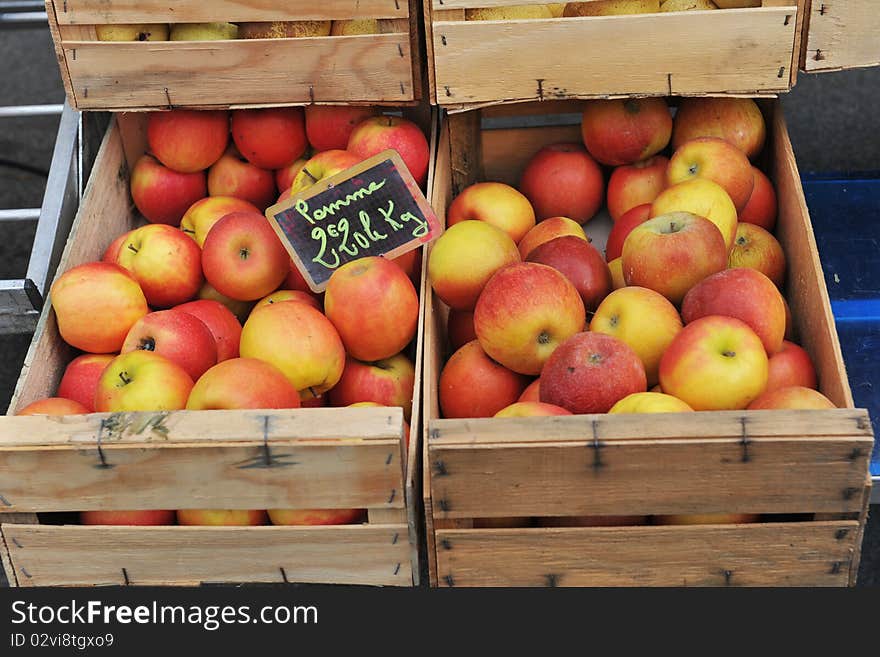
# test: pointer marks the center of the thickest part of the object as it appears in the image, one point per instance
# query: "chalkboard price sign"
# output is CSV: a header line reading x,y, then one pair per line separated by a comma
x,y
373,209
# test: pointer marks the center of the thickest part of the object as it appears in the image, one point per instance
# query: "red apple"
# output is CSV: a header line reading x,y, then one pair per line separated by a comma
x,y
547,230
163,195
242,383
411,264
531,409
581,263
280,296
232,175
460,328
178,336
794,397
310,400
309,517
673,252
321,166
188,140
220,517
473,385
717,160
632,185
790,366
388,382
755,248
243,257
623,227
142,381
54,406
285,176
80,379
128,518
96,304
241,309
165,262
220,321
761,208
562,180
590,372
270,138
112,251
379,133
329,127
495,203
525,312
745,294
295,280
738,120
202,215
623,131
532,393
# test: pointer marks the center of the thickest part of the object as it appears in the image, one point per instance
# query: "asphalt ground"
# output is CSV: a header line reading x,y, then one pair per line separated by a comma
x,y
832,118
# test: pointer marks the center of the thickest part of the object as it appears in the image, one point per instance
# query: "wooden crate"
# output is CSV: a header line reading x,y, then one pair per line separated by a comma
x,y
754,51
362,69
303,458
807,469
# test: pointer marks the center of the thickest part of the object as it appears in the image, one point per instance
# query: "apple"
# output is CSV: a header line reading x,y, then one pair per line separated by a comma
x,y
295,280
473,385
369,404
790,329
220,517
310,400
464,258
715,363
306,517
80,379
243,257
703,198
411,264
673,252
590,372
745,294
524,313
241,309
128,518
790,366
299,341
616,269
633,185
623,131
178,336
643,319
279,296
379,133
203,214
562,180
715,159
755,248
460,328
285,176
220,321
581,263
112,251
612,7
270,138
142,381
738,120
203,31
650,402
96,304
547,230
284,29
495,203
165,262
793,397
623,227
708,519
374,307
321,166
132,32
515,12
163,195
761,208
531,409
241,383
387,382
232,175
54,406
532,393
687,5
188,140
329,127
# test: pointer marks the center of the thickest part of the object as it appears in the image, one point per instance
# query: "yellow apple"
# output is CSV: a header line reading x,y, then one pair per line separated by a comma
x,y
703,198
650,402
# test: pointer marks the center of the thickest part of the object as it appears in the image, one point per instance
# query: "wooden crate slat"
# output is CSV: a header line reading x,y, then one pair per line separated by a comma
x,y
754,55
45,555
102,12
771,554
120,75
842,34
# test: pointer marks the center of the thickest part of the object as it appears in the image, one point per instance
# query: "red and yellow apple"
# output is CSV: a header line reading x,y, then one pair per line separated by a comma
x,y
379,133
562,180
241,383
650,402
761,208
306,517
623,131
220,517
387,382
163,195
279,296
54,406
323,165
142,381
708,519
532,393
178,336
531,409
240,309
715,159
790,366
188,140
738,120
80,379
793,397
220,321
270,138
203,214
494,203
632,185
623,227
473,385
703,198
581,263
329,127
232,175
285,176
755,248
547,230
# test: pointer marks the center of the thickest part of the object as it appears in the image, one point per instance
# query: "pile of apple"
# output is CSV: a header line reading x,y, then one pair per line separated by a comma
x,y
683,313
243,30
159,319
601,8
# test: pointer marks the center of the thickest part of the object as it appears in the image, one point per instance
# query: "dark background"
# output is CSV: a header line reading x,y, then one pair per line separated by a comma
x,y
833,119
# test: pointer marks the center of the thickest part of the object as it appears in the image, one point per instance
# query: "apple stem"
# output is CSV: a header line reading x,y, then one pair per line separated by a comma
x,y
309,174
124,377
131,246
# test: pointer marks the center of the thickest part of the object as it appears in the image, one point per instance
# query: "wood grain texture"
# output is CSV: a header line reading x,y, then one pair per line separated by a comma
x,y
771,554
46,555
842,34
101,12
741,51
